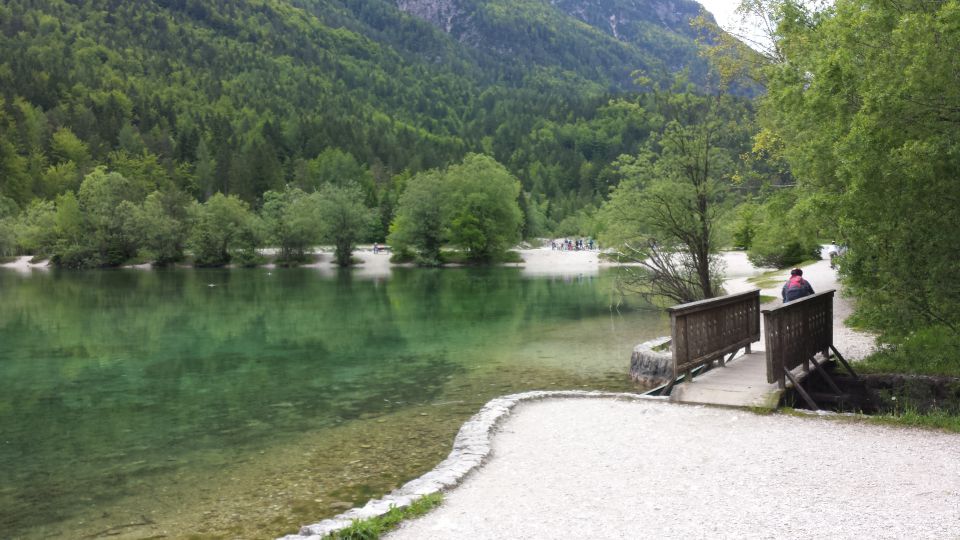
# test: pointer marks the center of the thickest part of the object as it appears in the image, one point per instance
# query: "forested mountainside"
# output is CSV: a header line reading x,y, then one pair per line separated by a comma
x,y
241,97
599,40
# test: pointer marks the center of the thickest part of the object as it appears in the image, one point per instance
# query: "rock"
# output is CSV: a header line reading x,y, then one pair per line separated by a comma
x,y
652,362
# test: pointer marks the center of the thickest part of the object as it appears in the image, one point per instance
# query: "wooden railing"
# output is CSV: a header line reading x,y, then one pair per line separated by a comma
x,y
705,331
795,332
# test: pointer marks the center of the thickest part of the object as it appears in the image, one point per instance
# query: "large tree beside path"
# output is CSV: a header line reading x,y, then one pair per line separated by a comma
x,y
664,214
867,105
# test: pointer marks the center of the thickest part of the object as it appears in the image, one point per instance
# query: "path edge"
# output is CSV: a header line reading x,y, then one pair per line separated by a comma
x,y
471,449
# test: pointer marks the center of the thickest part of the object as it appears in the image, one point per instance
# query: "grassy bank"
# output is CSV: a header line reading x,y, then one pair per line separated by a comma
x,y
373,528
921,374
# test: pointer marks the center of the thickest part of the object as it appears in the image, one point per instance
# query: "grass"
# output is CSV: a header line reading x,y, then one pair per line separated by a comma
x,y
776,277
371,529
935,419
767,280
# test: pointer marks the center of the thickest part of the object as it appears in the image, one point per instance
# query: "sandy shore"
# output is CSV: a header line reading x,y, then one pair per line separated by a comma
x,y
548,262
23,264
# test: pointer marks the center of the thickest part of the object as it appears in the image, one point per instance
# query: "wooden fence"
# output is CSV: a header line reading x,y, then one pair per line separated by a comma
x,y
705,331
795,332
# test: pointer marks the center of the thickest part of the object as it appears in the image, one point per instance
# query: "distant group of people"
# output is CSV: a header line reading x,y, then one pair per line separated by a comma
x,y
566,244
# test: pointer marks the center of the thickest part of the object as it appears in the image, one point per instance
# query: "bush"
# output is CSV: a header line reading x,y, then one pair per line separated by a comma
x,y
8,239
402,255
929,351
790,253
248,257
75,257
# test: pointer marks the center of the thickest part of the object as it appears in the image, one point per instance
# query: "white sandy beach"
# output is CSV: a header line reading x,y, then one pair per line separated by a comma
x,y
23,264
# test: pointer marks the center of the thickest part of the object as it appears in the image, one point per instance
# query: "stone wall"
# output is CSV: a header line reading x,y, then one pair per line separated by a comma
x,y
652,362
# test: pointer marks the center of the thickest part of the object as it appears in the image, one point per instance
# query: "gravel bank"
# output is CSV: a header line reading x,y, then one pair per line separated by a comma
x,y
628,468
602,468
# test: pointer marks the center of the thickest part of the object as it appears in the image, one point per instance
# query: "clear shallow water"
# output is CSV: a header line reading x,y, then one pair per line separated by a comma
x,y
244,403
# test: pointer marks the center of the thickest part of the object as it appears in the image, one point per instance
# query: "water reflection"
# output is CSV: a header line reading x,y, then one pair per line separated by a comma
x,y
109,379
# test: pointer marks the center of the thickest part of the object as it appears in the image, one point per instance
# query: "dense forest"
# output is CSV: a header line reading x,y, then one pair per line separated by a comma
x,y
157,130
244,97
863,106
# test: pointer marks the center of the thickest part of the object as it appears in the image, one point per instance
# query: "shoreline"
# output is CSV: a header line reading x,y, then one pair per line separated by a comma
x,y
475,445
541,261
536,262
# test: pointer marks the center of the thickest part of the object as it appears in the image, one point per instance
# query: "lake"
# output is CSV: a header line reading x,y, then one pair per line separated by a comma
x,y
245,403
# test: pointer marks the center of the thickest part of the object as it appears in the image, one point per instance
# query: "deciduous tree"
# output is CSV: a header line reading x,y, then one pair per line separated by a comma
x,y
664,213
344,219
420,222
223,227
485,216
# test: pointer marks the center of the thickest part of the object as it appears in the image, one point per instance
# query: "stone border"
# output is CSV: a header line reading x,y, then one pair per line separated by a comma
x,y
471,448
651,362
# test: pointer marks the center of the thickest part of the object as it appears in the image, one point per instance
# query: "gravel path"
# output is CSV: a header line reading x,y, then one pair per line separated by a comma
x,y
607,468
627,467
852,344
603,468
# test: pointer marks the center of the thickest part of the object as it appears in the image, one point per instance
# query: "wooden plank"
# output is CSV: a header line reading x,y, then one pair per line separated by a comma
x,y
797,331
742,383
705,331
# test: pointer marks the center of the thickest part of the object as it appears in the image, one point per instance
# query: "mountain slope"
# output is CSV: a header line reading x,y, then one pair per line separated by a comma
x,y
600,40
243,96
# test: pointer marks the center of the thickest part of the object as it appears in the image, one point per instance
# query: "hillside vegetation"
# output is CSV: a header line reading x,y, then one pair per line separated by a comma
x,y
158,130
243,97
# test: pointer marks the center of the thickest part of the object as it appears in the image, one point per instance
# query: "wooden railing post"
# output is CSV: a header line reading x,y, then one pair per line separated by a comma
x,y
795,332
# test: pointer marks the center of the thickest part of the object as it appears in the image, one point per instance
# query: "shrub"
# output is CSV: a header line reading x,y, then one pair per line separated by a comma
x,y
928,351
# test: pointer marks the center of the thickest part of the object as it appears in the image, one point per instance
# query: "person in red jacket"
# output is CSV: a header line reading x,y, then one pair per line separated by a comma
x,y
796,286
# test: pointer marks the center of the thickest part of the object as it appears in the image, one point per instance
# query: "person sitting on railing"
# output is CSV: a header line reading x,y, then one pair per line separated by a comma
x,y
796,287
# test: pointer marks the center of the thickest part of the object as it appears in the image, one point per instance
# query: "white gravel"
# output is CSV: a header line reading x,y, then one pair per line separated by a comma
x,y
543,467
603,468
617,468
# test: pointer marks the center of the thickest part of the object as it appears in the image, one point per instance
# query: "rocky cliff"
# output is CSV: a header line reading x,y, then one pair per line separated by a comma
x,y
604,40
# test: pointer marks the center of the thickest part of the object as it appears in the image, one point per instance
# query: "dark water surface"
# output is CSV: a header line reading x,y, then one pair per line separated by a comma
x,y
244,403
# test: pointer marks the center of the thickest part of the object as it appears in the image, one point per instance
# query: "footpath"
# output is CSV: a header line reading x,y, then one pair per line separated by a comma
x,y
614,467
561,465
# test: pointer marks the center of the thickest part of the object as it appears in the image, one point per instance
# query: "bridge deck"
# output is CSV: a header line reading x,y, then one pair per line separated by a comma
x,y
741,383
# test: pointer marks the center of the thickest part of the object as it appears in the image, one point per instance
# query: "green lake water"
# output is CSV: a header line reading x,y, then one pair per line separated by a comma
x,y
245,403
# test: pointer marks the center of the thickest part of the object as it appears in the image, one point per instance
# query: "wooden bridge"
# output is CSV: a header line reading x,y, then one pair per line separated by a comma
x,y
713,360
